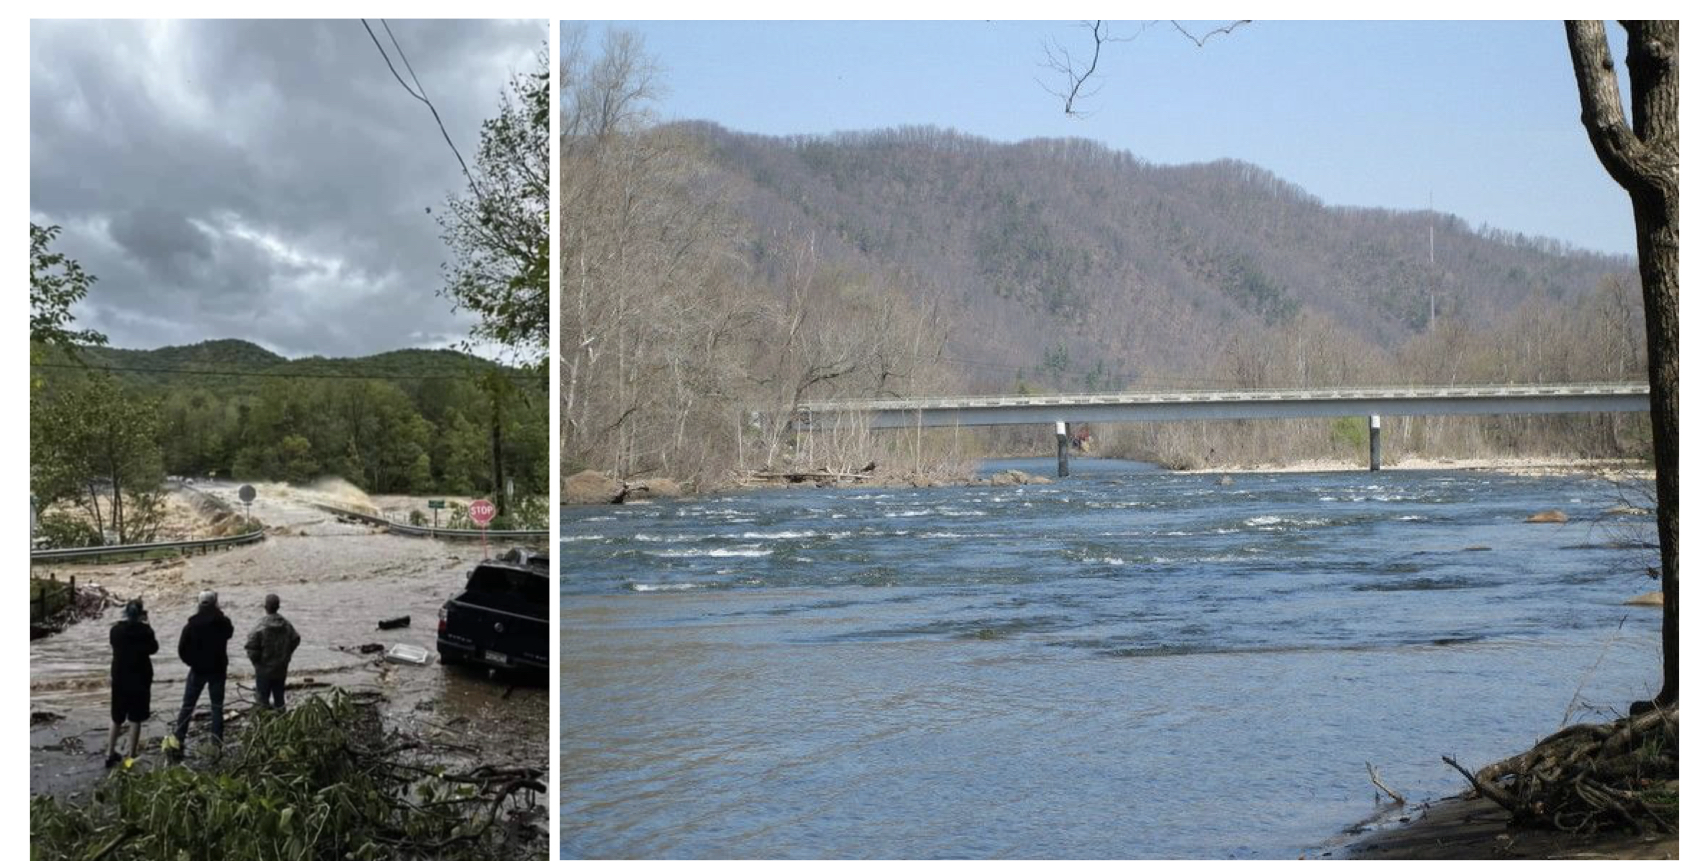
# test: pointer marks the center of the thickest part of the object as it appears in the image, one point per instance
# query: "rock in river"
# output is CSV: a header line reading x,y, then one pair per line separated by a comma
x,y
1552,516
591,488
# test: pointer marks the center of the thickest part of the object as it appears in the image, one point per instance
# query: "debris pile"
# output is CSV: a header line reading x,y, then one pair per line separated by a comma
x,y
1592,777
86,602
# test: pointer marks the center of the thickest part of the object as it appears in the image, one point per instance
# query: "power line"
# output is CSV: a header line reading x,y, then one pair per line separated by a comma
x,y
298,375
421,96
419,87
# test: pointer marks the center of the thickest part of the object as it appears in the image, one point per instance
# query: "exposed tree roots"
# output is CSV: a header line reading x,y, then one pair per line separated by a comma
x,y
1592,777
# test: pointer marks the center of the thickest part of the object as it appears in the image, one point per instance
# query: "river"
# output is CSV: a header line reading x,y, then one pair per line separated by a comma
x,y
1126,663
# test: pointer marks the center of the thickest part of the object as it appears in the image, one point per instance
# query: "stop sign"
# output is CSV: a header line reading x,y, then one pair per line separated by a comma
x,y
481,512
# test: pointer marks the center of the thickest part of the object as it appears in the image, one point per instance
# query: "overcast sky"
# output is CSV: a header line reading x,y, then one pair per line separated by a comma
x,y
259,179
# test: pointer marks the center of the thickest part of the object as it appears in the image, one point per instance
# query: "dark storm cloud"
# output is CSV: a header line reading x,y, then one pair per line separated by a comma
x,y
160,239
260,179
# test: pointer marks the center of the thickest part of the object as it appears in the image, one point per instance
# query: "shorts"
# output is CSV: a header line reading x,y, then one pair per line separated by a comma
x,y
130,703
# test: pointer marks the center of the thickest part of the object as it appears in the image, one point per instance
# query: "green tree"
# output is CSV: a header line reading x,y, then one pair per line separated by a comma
x,y
420,473
93,444
296,459
500,230
56,283
459,450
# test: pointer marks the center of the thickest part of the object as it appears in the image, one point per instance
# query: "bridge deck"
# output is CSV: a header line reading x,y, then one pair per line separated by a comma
x,y
1251,404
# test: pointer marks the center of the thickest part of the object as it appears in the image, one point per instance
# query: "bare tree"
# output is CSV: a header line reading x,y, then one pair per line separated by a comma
x,y
1643,157
1080,74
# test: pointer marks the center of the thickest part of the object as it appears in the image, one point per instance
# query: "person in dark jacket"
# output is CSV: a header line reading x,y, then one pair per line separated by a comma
x,y
270,646
202,647
132,639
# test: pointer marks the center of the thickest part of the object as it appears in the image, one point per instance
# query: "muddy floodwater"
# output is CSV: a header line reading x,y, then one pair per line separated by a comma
x,y
335,581
1129,663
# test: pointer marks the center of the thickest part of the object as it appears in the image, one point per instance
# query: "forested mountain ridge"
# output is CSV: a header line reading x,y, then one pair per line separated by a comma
x,y
225,352
244,359
402,421
1068,257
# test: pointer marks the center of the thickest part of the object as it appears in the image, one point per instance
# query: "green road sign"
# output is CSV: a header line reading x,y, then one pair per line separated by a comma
x,y
435,503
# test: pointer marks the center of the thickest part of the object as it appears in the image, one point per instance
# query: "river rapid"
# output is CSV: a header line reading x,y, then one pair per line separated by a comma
x,y
1127,663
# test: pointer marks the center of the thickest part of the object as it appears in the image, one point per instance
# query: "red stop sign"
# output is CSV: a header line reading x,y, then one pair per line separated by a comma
x,y
481,512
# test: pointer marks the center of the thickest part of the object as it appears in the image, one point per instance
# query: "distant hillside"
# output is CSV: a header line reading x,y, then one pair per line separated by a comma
x,y
406,421
233,364
225,352
1068,254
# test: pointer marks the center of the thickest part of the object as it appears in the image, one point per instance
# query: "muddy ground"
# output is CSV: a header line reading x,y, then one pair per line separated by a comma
x,y
335,581
1470,827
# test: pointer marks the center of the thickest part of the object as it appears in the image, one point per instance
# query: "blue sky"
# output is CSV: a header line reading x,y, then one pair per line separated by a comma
x,y
1482,116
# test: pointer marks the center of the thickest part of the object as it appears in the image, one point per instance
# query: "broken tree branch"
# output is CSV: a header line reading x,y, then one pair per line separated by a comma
x,y
1375,776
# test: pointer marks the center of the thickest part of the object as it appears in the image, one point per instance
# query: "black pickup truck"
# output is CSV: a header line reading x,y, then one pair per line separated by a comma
x,y
502,618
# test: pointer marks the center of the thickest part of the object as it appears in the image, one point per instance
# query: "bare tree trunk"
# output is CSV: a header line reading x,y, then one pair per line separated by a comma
x,y
1644,159
118,509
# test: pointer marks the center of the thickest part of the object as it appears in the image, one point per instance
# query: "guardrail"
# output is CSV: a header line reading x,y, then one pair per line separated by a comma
x,y
432,532
1251,394
84,554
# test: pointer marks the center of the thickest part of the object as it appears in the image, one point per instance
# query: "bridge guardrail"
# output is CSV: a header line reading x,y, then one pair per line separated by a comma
x,y
1116,398
74,554
431,532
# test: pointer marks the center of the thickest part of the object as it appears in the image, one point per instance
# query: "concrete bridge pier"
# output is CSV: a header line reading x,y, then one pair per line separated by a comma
x,y
1062,439
1374,443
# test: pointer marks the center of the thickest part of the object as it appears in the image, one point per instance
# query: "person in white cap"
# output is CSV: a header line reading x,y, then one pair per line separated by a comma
x,y
202,647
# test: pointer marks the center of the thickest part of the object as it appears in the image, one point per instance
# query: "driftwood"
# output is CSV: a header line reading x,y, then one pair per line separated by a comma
x,y
1375,776
1587,777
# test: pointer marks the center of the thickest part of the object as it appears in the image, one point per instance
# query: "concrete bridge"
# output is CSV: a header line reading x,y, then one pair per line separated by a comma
x,y
1063,410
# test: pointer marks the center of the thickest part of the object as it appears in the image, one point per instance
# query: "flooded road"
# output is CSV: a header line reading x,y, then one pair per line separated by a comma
x,y
335,581
1127,663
